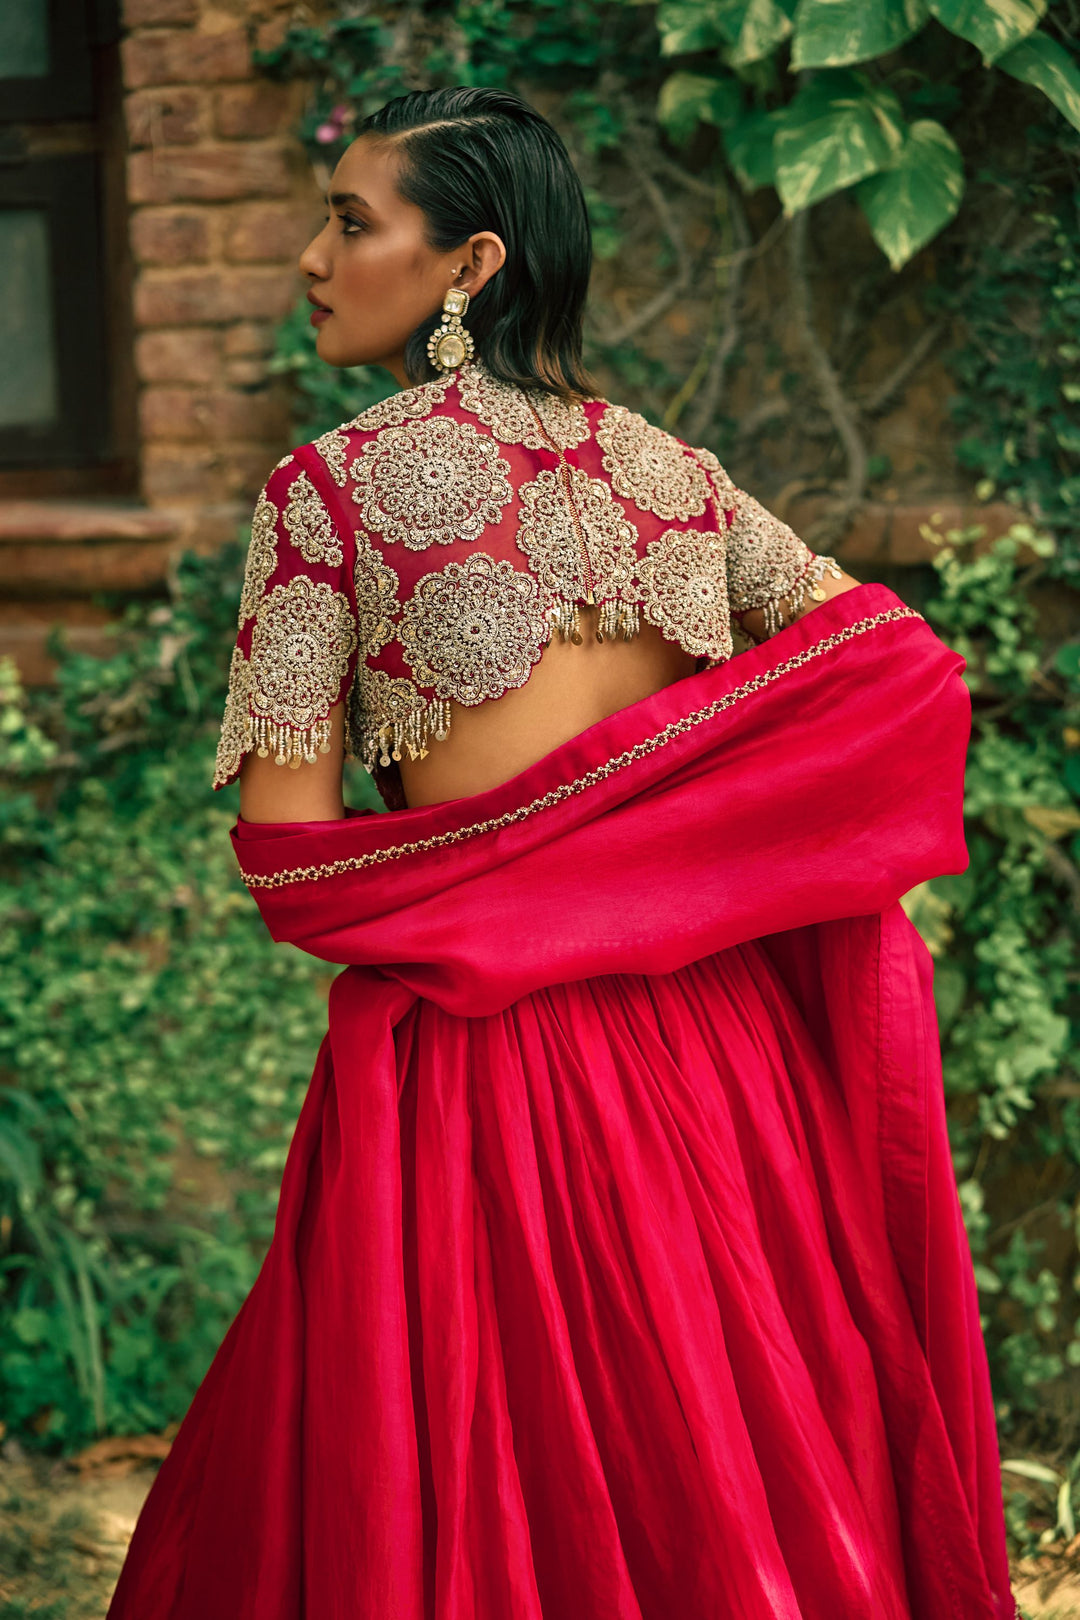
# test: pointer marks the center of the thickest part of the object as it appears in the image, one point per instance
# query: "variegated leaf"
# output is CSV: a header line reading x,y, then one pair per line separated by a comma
x,y
689,25
765,25
910,201
994,26
689,99
1041,61
835,33
839,129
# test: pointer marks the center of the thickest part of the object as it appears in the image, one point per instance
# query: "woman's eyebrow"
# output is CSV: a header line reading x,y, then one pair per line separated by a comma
x,y
338,199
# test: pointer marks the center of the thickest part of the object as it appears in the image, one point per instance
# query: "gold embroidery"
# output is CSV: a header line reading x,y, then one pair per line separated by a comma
x,y
724,492
261,557
506,411
581,547
286,461
767,561
474,629
410,403
429,483
649,466
310,526
387,714
376,597
301,645
333,447
565,790
684,585
233,741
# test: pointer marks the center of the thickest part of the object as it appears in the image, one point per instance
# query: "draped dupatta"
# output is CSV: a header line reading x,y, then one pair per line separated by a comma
x,y
791,796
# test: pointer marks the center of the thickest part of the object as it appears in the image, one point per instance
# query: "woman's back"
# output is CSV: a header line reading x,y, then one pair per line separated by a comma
x,y
470,573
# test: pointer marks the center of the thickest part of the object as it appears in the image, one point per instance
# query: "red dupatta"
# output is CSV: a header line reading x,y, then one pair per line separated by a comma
x,y
791,796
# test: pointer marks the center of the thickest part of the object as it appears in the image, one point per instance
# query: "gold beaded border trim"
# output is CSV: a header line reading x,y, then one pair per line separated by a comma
x,y
565,790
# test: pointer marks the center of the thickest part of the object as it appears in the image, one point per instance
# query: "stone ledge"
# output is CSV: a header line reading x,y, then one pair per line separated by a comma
x,y
71,549
62,522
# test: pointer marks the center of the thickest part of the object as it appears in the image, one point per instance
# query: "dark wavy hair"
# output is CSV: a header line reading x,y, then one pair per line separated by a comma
x,y
475,159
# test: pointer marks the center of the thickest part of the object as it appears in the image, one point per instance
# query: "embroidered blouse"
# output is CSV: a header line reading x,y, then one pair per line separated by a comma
x,y
426,552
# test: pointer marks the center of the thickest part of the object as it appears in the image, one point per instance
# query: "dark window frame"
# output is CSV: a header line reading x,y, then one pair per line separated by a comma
x,y
67,90
65,189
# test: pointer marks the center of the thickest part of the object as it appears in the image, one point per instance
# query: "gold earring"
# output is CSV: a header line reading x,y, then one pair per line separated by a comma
x,y
450,345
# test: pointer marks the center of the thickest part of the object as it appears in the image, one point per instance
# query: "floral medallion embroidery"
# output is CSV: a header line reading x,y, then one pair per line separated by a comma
x,y
376,597
234,740
397,408
301,645
310,526
429,483
387,714
511,412
261,557
577,537
475,629
333,447
649,466
765,557
724,491
684,584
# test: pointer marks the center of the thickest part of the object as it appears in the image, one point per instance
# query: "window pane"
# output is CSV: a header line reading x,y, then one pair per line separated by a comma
x,y
28,388
24,39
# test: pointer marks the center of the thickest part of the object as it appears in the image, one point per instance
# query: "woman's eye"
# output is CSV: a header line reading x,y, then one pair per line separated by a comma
x,y
349,224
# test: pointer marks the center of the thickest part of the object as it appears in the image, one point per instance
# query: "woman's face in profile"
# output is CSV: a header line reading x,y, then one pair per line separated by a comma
x,y
370,266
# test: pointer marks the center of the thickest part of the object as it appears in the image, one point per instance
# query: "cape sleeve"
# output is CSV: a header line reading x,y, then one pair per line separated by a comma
x,y
769,569
295,651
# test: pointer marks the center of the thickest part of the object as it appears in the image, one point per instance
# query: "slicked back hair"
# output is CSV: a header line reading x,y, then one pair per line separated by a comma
x,y
475,159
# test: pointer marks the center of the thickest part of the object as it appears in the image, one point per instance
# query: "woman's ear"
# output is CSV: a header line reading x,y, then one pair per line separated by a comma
x,y
484,254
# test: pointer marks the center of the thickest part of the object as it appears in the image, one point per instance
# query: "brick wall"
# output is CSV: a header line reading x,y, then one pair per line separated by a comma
x,y
221,202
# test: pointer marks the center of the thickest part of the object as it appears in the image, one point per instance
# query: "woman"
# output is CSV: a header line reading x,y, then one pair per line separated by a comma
x,y
618,1269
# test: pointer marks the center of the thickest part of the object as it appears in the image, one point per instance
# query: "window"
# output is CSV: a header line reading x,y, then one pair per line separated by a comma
x,y
57,398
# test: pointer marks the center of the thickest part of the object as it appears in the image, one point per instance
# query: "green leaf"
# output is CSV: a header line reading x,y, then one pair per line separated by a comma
x,y
910,201
1041,61
995,26
1032,1470
689,99
690,25
835,33
749,148
765,25
839,129
751,29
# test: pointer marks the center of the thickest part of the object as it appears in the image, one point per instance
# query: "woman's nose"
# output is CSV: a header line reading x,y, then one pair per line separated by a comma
x,y
312,261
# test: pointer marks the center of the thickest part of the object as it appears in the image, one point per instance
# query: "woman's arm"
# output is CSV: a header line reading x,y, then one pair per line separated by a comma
x,y
312,792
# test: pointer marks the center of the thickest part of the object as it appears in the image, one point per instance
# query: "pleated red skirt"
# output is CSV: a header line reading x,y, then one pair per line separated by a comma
x,y
635,1234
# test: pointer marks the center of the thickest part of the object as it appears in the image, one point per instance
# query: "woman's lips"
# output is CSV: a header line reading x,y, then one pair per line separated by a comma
x,y
320,312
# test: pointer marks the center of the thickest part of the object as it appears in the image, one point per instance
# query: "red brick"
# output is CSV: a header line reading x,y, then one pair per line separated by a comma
x,y
213,297
179,56
246,470
146,13
247,111
249,338
187,356
171,235
245,373
163,117
269,35
208,173
266,233
181,472
212,416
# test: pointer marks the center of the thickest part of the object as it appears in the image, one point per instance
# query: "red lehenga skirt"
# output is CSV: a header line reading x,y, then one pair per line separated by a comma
x,y
619,1271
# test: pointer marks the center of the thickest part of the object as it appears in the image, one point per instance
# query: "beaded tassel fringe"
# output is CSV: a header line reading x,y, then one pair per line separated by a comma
x,y
808,584
288,744
412,734
615,619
